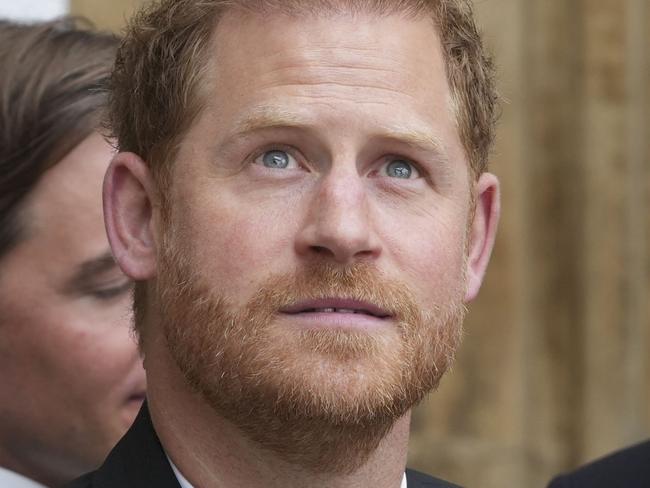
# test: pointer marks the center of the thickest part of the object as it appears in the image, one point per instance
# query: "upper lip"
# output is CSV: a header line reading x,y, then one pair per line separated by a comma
x,y
337,303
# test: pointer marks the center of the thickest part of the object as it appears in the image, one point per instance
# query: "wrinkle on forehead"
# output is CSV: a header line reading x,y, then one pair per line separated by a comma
x,y
346,35
348,54
269,116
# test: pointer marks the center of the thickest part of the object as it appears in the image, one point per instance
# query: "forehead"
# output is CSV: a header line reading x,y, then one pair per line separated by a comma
x,y
351,52
343,75
64,210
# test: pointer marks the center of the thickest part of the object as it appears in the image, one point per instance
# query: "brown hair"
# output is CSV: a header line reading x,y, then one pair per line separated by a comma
x,y
50,100
154,99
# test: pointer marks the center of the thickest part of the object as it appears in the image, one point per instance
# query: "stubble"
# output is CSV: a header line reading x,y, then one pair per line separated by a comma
x,y
321,399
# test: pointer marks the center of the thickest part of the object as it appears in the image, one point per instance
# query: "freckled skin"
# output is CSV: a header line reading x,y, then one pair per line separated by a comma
x,y
68,362
348,87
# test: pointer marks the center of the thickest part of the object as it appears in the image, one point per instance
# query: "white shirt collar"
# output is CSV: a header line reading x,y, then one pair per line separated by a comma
x,y
186,484
9,479
181,479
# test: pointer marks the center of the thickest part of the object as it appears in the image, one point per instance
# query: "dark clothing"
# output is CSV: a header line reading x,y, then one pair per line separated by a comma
x,y
629,468
138,461
415,479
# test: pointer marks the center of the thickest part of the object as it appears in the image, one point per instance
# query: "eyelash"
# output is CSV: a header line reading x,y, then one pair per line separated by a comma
x,y
287,149
385,160
109,293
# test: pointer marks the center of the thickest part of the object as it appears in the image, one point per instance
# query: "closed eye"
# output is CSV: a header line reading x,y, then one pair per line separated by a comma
x,y
108,292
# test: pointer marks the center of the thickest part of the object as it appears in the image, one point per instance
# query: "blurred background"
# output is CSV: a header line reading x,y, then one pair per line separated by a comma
x,y
555,367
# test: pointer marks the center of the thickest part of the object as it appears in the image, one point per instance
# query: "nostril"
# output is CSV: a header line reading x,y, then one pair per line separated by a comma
x,y
322,250
365,254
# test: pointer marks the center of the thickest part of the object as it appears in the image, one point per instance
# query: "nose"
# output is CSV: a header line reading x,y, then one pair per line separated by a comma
x,y
338,224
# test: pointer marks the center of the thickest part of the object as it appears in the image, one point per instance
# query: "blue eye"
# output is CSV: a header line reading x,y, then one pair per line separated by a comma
x,y
277,159
398,168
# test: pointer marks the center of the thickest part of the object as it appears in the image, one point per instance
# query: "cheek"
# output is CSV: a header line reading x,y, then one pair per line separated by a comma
x,y
56,356
92,339
429,253
238,244
96,357
59,351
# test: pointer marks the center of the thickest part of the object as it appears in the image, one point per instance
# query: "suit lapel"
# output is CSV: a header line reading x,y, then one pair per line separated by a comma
x,y
415,479
138,460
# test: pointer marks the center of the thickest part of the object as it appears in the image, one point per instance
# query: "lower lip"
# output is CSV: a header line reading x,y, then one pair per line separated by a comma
x,y
336,320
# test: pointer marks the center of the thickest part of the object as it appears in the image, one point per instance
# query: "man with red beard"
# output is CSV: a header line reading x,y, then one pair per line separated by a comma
x,y
301,196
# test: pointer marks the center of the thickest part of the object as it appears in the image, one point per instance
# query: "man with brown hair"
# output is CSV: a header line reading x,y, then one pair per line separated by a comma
x,y
302,198
71,378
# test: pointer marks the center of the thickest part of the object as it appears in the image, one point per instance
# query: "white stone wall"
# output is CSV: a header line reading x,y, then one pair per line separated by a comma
x,y
32,10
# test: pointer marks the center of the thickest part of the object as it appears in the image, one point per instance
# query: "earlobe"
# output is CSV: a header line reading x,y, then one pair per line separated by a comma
x,y
482,232
129,197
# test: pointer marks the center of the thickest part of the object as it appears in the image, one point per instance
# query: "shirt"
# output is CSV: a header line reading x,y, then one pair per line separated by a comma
x,y
9,479
186,484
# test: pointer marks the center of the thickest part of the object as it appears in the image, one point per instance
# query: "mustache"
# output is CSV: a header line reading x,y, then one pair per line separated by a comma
x,y
358,282
316,280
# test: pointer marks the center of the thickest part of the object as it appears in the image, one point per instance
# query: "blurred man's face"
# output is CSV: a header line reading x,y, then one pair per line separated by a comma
x,y
71,377
312,278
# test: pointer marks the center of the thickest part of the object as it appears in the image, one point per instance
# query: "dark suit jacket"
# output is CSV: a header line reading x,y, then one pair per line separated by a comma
x,y
629,468
138,461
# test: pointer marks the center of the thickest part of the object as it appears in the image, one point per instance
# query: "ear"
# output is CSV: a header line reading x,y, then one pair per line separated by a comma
x,y
482,232
129,197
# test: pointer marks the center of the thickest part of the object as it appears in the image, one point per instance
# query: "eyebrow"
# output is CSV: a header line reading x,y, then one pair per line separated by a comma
x,y
418,140
88,271
266,118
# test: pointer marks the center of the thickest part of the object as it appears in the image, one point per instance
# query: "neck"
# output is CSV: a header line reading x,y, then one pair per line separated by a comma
x,y
31,464
212,452
19,468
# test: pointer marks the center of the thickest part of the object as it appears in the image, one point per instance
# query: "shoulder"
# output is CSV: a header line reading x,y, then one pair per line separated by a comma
x,y
137,461
415,479
629,467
